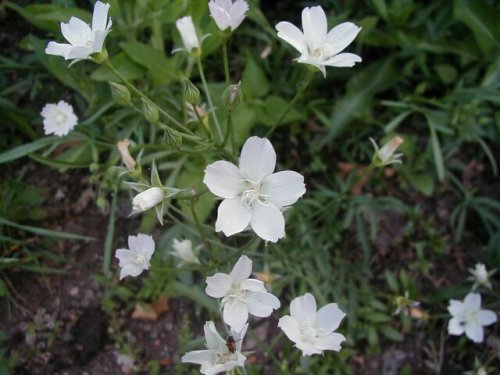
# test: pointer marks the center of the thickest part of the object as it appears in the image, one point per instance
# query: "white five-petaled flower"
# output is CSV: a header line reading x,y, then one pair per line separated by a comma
x,y
147,199
481,276
312,330
217,357
468,317
58,119
83,40
188,34
385,155
317,46
240,295
135,259
184,251
228,14
252,193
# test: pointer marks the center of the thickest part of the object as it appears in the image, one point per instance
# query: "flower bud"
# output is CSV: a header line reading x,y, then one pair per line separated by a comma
x,y
127,159
188,34
385,155
120,93
191,92
147,199
171,138
232,96
150,111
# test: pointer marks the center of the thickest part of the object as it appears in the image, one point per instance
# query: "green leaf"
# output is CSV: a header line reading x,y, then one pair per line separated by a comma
x,y
396,121
23,150
126,66
423,182
391,281
377,317
436,148
45,232
482,19
255,83
161,69
391,333
376,78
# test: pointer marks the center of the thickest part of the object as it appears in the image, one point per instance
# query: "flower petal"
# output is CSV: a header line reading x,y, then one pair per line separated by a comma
x,y
342,35
213,339
329,317
146,244
455,327
232,216
218,285
486,317
343,60
99,37
473,301
100,16
283,188
258,159
242,269
331,341
303,309
235,314
253,285
308,348
124,256
261,304
199,357
292,35
455,307
223,179
238,13
58,49
267,221
315,25
475,332
291,327
76,31
79,53
131,269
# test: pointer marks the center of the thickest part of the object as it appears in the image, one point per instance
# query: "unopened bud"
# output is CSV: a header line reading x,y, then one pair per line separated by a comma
x,y
150,111
127,159
232,96
147,199
191,92
171,138
386,155
120,93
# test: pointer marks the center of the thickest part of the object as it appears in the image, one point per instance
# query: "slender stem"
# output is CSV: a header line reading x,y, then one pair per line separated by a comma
x,y
209,99
228,128
198,225
226,61
307,80
142,95
200,120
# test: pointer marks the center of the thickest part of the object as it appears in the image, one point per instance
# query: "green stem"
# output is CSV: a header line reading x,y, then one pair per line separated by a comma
x,y
142,95
226,62
110,234
198,225
307,80
209,99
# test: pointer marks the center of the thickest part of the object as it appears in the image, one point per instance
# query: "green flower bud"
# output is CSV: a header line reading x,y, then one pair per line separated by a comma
x,y
120,93
171,138
232,96
150,111
191,92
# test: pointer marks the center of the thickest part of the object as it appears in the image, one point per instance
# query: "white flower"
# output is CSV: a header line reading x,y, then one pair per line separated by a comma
x,y
188,33
481,276
386,155
83,40
217,357
147,199
240,295
468,317
184,250
136,259
311,330
317,46
59,118
252,193
228,14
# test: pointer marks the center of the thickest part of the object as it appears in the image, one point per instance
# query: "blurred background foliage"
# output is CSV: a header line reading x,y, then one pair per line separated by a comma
x,y
430,73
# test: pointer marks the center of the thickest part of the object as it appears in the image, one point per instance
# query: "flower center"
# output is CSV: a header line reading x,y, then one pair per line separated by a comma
x,y
308,334
140,259
61,117
225,357
253,193
469,316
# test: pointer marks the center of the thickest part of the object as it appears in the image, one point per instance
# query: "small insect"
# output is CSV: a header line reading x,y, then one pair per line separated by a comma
x,y
231,344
